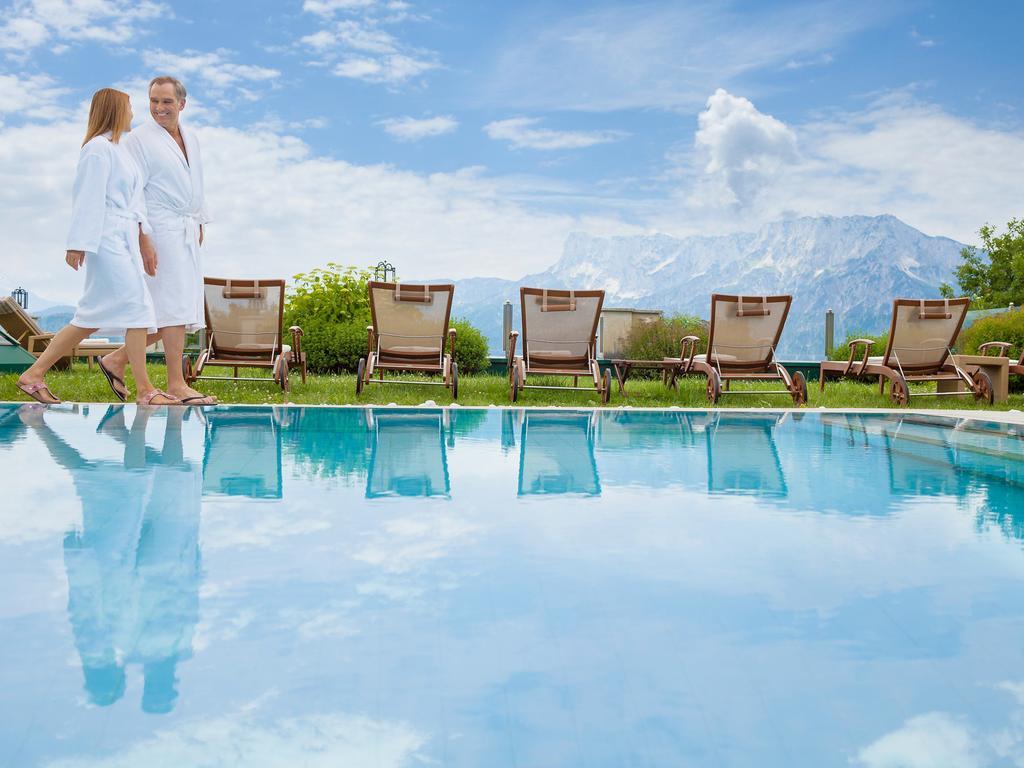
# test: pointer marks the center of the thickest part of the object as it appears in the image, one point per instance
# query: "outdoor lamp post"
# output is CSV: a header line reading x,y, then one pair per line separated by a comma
x,y
20,295
384,271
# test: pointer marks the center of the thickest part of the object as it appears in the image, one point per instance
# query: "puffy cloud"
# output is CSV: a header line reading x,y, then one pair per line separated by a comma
x,y
521,133
330,7
932,740
392,68
34,96
30,23
414,129
744,147
214,68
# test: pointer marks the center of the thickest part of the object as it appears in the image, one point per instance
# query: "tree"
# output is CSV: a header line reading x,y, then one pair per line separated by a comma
x,y
993,276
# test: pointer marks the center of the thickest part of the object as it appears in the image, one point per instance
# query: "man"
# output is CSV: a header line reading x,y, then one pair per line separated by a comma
x,y
168,155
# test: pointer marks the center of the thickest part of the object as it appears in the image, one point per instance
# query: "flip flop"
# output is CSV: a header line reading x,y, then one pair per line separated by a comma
x,y
192,400
147,399
33,390
111,378
112,411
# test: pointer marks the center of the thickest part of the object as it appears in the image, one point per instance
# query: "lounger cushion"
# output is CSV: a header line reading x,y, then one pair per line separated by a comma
x,y
702,358
410,350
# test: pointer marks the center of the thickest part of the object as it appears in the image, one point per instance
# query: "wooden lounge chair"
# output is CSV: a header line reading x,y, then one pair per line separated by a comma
x,y
1002,350
409,456
921,336
244,329
742,338
559,339
242,453
410,323
557,454
26,331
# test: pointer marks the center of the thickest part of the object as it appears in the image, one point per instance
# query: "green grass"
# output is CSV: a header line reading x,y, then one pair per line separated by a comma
x,y
84,385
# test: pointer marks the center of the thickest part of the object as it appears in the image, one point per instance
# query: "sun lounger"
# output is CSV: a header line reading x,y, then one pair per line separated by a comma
x,y
410,326
242,455
244,329
557,454
921,337
409,456
559,339
20,325
1002,350
742,338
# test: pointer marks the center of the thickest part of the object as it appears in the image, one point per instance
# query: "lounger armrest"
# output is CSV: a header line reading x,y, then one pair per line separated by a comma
x,y
513,337
451,340
36,343
867,344
369,340
1002,346
296,332
687,351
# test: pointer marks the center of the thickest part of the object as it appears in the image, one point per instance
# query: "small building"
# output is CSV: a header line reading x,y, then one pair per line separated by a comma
x,y
615,326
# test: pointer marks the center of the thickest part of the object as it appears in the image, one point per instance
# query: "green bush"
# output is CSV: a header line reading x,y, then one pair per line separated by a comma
x,y
660,338
842,351
1007,326
334,347
471,349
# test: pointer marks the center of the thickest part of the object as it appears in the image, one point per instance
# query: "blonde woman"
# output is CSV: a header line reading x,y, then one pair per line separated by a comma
x,y
107,214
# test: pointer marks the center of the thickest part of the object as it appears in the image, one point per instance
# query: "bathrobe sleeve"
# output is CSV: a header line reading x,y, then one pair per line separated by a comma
x,y
137,150
197,159
89,200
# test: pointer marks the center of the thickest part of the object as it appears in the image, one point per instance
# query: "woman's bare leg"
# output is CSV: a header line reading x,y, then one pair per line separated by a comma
x,y
117,361
135,344
61,345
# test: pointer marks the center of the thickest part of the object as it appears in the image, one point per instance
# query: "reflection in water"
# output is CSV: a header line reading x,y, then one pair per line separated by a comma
x,y
742,457
557,454
243,452
409,456
133,567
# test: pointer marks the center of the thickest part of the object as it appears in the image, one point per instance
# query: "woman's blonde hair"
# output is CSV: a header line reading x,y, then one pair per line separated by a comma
x,y
111,110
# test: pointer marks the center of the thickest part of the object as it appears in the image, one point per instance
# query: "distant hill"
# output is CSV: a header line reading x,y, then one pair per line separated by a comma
x,y
855,265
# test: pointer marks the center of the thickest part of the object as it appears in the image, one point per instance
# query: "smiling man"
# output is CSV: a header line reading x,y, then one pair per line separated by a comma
x,y
172,170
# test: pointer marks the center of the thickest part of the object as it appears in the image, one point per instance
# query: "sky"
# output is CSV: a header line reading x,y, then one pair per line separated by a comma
x,y
460,139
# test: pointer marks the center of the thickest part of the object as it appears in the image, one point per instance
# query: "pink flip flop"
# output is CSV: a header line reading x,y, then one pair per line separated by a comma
x,y
147,399
34,390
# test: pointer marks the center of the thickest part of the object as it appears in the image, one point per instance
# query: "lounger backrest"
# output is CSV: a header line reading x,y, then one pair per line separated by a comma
x,y
742,457
560,326
410,319
409,456
557,455
745,329
244,317
17,322
922,332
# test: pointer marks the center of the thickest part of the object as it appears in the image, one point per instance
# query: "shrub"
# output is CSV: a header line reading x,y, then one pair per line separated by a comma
x,y
334,294
660,338
842,350
1006,326
471,348
334,347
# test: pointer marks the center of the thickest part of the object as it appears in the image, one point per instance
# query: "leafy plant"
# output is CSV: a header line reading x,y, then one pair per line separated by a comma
x,y
471,350
842,351
661,338
333,294
1007,326
994,276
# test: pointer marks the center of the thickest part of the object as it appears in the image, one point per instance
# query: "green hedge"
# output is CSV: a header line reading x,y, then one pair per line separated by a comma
x,y
660,338
842,350
471,349
1007,326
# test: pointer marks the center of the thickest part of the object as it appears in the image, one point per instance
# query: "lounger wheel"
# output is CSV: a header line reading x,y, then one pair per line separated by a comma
x,y
186,369
983,389
360,372
714,387
455,380
606,387
899,392
799,389
283,373
515,386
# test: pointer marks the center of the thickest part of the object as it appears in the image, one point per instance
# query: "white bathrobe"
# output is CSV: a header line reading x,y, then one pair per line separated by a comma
x,y
107,208
176,207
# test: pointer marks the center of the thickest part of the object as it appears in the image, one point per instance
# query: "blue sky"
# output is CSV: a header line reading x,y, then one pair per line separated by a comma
x,y
470,138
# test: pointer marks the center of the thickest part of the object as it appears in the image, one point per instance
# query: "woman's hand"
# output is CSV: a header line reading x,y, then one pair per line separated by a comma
x,y
148,254
75,259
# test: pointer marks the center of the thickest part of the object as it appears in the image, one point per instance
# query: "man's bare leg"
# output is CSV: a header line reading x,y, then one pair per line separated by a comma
x,y
174,348
135,343
117,361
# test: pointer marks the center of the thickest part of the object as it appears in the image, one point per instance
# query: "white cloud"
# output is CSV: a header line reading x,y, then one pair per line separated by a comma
x,y
393,68
745,148
34,96
414,129
214,68
521,133
330,7
663,54
30,23
932,740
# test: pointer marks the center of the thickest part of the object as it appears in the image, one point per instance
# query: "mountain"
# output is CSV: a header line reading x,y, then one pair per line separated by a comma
x,y
855,265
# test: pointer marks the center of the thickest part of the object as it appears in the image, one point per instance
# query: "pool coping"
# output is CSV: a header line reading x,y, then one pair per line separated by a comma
x,y
1012,416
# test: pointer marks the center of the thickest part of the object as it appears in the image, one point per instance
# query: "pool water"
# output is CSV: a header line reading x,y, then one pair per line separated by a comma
x,y
289,586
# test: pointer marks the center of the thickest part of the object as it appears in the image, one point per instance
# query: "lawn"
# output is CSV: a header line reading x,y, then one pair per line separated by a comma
x,y
84,385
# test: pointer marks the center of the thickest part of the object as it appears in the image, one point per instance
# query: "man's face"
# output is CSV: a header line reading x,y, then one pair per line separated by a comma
x,y
164,105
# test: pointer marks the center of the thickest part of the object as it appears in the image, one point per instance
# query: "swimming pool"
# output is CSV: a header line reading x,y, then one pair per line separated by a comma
x,y
470,587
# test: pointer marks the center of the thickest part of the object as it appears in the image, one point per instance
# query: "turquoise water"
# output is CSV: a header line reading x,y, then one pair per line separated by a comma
x,y
374,587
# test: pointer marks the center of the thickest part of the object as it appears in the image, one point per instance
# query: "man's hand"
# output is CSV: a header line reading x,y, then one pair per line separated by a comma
x,y
200,234
148,255
75,259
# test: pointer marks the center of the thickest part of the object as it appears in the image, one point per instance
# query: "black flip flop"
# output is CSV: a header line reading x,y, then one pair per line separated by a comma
x,y
111,378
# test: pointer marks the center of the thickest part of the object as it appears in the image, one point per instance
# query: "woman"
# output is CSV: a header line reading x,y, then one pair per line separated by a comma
x,y
107,213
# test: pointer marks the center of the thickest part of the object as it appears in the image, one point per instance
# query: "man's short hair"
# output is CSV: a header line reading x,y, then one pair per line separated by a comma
x,y
179,87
